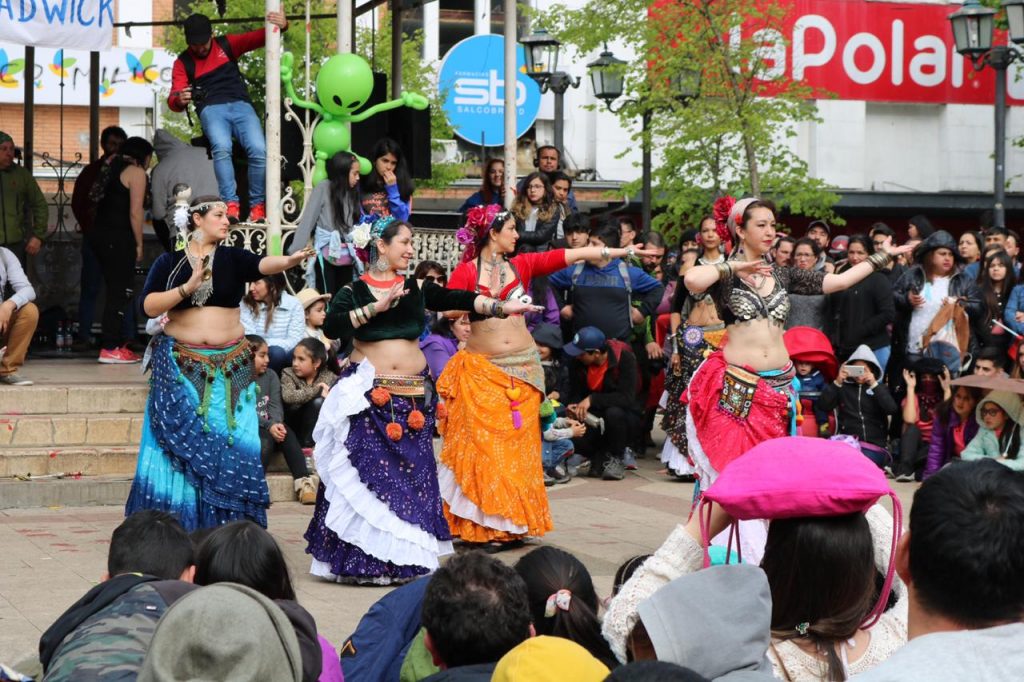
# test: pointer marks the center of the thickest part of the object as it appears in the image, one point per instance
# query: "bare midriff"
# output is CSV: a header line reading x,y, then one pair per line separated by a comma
x,y
495,336
756,345
391,356
205,326
703,314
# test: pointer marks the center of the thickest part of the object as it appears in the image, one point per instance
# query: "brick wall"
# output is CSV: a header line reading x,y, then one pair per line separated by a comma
x,y
47,127
163,10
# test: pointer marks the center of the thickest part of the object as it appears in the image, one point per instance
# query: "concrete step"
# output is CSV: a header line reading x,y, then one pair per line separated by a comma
x,y
98,490
82,399
107,460
64,430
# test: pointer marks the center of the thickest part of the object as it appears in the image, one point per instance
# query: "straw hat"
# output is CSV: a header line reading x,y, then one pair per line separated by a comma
x,y
309,296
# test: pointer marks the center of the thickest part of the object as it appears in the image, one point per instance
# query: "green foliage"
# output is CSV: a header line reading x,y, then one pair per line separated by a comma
x,y
726,139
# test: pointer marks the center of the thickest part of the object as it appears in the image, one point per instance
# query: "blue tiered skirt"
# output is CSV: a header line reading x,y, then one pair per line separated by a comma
x,y
199,458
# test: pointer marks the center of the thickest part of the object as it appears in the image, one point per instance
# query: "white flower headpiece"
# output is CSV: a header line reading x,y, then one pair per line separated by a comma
x,y
361,235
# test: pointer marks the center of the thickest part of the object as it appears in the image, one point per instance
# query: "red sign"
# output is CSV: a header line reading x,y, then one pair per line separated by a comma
x,y
879,52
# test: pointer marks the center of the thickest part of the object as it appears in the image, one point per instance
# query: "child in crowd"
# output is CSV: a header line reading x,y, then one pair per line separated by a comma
x,y
816,366
928,384
556,442
548,338
304,386
315,305
812,382
955,426
273,432
999,414
864,403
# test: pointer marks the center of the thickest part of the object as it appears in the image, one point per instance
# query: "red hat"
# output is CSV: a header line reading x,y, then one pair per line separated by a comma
x,y
807,344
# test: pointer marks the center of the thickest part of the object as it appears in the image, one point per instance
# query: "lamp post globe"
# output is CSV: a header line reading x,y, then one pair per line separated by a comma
x,y
973,25
541,55
1015,19
606,76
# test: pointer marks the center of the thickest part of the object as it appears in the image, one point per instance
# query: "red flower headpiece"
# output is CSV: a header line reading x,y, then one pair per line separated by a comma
x,y
479,220
722,209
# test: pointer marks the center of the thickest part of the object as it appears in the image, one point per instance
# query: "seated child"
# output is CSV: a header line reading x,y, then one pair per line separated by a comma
x,y
864,404
812,381
273,432
315,305
304,386
548,338
999,414
556,442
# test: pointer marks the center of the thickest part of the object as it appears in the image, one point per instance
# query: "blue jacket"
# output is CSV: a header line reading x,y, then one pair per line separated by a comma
x,y
1014,305
376,650
599,298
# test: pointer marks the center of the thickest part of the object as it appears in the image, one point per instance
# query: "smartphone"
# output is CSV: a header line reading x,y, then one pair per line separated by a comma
x,y
854,371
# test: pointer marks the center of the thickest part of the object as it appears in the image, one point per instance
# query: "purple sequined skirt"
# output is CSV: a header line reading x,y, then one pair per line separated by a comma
x,y
378,516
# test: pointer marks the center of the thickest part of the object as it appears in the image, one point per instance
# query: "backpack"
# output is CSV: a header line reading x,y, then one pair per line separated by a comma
x,y
617,348
189,62
577,270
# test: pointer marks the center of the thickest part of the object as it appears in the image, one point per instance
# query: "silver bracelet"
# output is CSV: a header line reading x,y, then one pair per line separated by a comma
x,y
879,260
724,270
606,252
630,252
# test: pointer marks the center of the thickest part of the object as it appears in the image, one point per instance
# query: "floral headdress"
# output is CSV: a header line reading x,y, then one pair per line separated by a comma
x,y
479,220
728,213
366,232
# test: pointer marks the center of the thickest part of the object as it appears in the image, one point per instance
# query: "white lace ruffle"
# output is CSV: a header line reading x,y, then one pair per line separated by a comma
x,y
675,460
465,508
356,515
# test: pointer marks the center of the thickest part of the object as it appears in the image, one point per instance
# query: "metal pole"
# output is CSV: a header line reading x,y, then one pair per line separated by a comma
x,y
94,105
345,25
28,144
646,118
1000,62
481,17
273,126
510,80
396,49
560,121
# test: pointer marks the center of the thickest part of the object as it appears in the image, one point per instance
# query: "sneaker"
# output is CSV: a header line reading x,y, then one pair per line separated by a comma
x,y
581,469
549,480
613,470
118,356
233,211
561,474
905,478
14,380
888,472
629,459
306,490
257,213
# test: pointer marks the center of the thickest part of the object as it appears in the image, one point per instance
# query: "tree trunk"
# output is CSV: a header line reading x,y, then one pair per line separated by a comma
x,y
752,169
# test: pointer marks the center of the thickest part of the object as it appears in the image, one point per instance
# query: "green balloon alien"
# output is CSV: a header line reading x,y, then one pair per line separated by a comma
x,y
344,84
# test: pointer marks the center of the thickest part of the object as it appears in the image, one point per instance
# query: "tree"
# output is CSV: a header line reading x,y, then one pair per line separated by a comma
x,y
731,138
417,75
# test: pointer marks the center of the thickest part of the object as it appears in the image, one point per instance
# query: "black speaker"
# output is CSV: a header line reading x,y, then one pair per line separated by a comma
x,y
410,128
366,133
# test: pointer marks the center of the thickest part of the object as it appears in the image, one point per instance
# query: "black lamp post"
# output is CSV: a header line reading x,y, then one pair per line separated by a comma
x,y
606,76
542,66
973,26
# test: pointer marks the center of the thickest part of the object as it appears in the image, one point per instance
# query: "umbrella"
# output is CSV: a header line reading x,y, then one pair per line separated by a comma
x,y
999,383
807,344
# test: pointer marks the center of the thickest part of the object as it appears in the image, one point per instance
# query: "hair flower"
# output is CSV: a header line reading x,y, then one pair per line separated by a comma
x,y
360,235
465,236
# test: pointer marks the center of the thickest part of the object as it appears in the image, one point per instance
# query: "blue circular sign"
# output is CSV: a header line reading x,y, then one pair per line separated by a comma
x,y
472,84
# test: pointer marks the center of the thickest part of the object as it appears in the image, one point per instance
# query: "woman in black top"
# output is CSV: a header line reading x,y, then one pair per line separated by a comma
x,y
996,280
863,313
121,195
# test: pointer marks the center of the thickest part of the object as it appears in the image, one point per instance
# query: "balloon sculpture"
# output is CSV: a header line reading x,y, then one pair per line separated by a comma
x,y
344,84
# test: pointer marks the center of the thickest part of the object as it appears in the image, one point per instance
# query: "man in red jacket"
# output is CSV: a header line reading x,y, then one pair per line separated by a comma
x,y
207,76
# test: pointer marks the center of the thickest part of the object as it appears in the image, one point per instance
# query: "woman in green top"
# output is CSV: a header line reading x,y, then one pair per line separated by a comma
x,y
378,515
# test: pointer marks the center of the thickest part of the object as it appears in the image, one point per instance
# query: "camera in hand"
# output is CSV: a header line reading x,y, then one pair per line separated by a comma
x,y
198,93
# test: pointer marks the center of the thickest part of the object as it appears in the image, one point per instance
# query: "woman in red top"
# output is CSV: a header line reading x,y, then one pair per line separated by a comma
x,y
490,471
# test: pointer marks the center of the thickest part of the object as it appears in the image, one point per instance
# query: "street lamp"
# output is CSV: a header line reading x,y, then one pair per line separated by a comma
x,y
973,26
542,66
606,77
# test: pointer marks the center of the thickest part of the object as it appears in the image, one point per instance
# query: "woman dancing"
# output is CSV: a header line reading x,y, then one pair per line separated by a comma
x,y
378,517
492,480
743,394
200,451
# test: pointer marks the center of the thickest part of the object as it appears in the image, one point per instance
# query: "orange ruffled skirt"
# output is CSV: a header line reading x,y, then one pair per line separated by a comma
x,y
490,473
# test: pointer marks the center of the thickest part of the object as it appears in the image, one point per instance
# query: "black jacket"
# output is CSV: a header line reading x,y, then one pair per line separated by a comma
x,y
620,385
863,411
863,313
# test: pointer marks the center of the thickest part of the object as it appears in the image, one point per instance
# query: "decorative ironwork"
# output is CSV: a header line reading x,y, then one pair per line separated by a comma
x,y
437,245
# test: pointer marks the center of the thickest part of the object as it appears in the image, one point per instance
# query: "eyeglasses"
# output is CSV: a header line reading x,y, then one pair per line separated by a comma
x,y
437,279
991,411
880,243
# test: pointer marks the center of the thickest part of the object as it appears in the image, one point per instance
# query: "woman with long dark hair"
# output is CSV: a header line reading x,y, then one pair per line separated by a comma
x,y
378,517
863,313
996,280
970,246
919,227
563,602
492,186
199,457
331,211
387,190
953,428
121,197
536,214
269,311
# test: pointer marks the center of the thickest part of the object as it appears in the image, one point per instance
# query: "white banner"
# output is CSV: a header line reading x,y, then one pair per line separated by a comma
x,y
78,24
129,77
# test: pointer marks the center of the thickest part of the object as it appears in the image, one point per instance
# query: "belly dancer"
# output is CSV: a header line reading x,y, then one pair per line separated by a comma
x,y
200,452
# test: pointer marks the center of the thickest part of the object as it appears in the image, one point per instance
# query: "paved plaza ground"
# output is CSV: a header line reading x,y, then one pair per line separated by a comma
x,y
51,557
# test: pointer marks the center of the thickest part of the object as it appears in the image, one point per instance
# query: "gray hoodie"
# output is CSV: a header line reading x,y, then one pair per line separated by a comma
x,y
177,162
717,622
